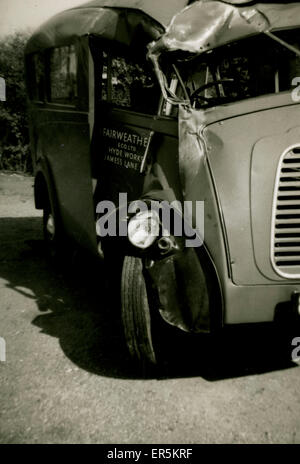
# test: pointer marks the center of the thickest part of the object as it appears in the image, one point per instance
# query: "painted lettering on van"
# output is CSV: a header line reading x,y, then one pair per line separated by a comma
x,y
124,148
125,137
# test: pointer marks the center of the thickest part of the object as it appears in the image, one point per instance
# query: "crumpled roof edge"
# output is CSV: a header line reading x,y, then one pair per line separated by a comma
x,y
207,24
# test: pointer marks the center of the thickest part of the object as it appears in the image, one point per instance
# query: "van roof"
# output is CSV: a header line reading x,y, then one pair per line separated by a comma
x,y
119,20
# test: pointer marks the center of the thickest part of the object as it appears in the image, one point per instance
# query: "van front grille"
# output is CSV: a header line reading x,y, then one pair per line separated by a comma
x,y
285,252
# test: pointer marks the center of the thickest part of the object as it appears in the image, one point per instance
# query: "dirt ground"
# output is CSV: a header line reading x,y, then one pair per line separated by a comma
x,y
67,377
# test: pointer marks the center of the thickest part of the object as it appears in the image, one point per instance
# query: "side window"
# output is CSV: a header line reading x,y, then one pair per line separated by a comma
x,y
63,76
36,77
123,75
133,86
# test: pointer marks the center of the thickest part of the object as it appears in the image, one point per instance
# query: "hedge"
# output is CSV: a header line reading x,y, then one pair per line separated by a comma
x,y
14,138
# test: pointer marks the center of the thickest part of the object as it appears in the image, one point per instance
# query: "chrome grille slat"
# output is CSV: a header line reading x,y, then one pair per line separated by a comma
x,y
288,212
290,223
285,252
290,173
281,240
293,259
292,183
287,230
286,249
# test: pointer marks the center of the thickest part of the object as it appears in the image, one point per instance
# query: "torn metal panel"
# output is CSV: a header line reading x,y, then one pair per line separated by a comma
x,y
180,279
182,291
192,145
208,24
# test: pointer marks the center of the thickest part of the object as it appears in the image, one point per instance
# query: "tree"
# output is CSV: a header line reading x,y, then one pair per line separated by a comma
x,y
14,139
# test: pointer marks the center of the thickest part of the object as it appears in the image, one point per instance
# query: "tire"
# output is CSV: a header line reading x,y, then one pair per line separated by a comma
x,y
136,316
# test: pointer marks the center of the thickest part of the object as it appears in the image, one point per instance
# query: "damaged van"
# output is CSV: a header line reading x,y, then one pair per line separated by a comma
x,y
166,136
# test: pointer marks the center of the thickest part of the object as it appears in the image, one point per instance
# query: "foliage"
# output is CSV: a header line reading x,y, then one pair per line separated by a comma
x,y
14,140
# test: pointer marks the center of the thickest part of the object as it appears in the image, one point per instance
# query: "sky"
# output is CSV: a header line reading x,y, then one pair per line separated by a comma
x,y
16,15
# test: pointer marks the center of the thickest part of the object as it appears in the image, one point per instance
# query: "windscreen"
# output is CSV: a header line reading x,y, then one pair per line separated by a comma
x,y
249,68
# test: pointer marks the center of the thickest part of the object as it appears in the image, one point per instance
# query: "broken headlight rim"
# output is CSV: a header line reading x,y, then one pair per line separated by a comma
x,y
144,229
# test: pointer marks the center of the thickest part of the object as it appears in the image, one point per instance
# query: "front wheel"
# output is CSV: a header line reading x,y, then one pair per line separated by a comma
x,y
136,314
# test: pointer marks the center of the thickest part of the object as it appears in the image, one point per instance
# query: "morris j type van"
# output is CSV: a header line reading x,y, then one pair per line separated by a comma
x,y
166,135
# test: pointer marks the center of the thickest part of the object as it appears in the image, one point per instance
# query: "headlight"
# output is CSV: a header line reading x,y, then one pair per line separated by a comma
x,y
143,229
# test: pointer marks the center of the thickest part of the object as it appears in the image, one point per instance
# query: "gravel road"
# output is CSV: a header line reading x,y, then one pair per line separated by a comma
x,y
67,377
